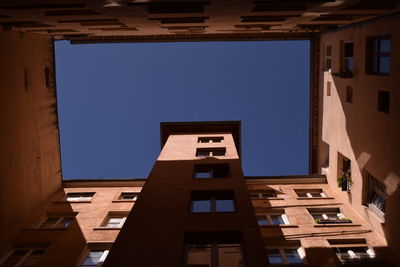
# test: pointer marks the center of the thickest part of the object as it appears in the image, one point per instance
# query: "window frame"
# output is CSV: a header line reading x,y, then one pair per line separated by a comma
x,y
344,58
377,187
136,195
101,259
283,256
211,151
29,248
309,193
340,217
55,225
79,198
212,196
328,58
260,194
370,55
269,219
212,169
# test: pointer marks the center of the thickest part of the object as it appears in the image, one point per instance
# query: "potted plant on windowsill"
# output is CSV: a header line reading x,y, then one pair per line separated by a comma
x,y
345,74
345,181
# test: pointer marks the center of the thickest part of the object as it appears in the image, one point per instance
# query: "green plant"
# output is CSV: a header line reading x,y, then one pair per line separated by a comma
x,y
344,219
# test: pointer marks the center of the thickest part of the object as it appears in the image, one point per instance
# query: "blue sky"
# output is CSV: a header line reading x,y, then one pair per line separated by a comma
x,y
112,98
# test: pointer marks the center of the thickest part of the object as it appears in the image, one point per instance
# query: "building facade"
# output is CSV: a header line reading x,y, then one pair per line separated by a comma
x,y
345,211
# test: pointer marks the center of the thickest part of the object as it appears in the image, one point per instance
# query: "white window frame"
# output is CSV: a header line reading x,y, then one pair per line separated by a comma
x,y
282,253
102,258
309,191
109,217
284,217
339,215
260,194
79,198
351,254
134,198
57,223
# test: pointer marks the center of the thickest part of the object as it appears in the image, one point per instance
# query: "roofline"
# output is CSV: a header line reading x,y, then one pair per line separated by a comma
x,y
120,182
234,127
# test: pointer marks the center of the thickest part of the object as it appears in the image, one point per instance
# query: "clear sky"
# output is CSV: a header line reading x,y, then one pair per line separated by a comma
x,y
112,98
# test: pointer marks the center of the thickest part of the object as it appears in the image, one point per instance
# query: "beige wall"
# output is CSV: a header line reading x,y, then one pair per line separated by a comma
x,y
369,138
302,228
69,246
30,170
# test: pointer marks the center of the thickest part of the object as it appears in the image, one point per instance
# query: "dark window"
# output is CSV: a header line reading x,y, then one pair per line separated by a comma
x,y
310,193
217,249
128,196
349,94
181,20
172,7
210,152
325,150
378,55
81,196
212,201
348,62
328,58
328,88
210,139
383,101
211,171
328,216
26,78
262,194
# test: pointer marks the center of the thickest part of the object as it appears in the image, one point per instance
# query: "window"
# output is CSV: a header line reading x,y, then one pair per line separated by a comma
x,y
95,257
310,193
328,88
204,171
325,151
210,152
328,215
25,256
378,55
56,222
349,94
115,221
376,198
344,172
328,57
212,201
272,219
80,197
262,194
216,249
348,62
352,250
210,139
383,101
129,196
284,255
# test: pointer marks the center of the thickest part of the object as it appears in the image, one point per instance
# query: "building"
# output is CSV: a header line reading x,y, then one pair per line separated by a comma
x,y
354,121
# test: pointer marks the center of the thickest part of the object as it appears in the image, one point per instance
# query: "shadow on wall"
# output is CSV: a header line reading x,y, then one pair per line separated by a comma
x,y
52,238
371,140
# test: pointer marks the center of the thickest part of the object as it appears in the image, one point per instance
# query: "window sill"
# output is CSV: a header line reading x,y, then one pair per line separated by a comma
x,y
279,226
269,198
309,198
337,225
65,201
377,213
123,200
107,228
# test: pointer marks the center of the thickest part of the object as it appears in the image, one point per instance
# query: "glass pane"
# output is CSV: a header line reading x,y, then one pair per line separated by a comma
x,y
202,153
302,194
50,222
384,64
203,174
378,201
348,49
229,255
254,196
277,219
315,194
262,220
317,216
348,63
293,256
219,153
224,205
93,258
274,256
384,46
199,254
66,222
14,258
201,206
